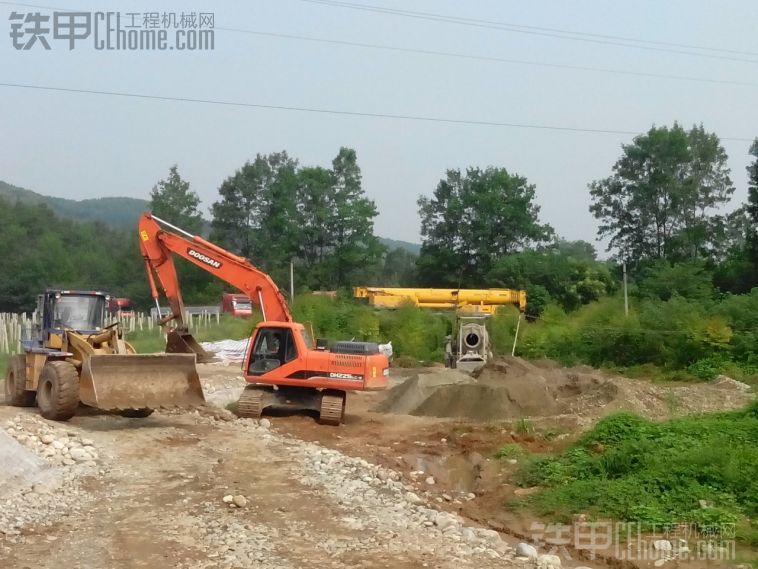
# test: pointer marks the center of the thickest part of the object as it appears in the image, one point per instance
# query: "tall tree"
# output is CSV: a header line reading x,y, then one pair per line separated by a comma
x,y
352,225
471,220
256,214
752,208
172,200
660,202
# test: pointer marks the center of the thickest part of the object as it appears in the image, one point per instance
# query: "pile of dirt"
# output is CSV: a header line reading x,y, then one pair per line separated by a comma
x,y
511,388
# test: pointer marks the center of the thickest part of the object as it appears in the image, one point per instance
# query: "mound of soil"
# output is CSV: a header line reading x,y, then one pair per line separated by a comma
x,y
511,388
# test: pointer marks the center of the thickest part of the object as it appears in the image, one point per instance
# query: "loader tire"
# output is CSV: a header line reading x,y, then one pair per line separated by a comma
x,y
58,391
136,413
16,393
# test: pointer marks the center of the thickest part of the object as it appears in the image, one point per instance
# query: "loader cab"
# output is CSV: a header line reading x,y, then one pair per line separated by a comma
x,y
83,311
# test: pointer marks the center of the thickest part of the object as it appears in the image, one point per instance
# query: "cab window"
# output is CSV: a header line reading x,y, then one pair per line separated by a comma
x,y
273,347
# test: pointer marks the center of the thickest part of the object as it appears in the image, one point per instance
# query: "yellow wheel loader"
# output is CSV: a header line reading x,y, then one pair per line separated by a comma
x,y
73,357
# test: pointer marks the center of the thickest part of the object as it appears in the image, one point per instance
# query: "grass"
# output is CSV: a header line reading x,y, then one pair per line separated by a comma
x,y
229,327
656,473
511,451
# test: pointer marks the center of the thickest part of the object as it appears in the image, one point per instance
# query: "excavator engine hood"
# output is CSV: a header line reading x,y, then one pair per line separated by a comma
x,y
140,381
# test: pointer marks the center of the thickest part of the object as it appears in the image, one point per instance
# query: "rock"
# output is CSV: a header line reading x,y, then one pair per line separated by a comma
x,y
80,455
265,423
548,561
470,496
47,439
512,461
490,535
444,521
239,501
526,550
662,545
87,443
526,491
430,480
447,497
413,498
228,499
58,445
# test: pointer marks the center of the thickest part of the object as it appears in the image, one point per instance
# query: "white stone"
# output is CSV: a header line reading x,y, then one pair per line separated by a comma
x,y
662,545
548,561
47,439
526,550
80,455
413,498
430,480
228,499
265,423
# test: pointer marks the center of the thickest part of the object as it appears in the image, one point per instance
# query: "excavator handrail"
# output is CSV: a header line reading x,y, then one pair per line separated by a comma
x,y
161,240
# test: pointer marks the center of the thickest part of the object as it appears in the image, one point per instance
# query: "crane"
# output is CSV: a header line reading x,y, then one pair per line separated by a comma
x,y
467,301
282,365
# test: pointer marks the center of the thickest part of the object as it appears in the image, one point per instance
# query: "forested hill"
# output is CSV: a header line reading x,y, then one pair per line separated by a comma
x,y
119,212
114,212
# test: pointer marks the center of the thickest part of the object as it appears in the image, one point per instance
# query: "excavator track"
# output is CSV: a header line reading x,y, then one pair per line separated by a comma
x,y
250,403
332,408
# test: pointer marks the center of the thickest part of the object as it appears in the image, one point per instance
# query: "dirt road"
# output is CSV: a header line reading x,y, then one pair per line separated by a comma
x,y
203,489
154,497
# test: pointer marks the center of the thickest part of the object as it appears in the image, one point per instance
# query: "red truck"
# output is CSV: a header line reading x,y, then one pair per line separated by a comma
x,y
237,304
122,306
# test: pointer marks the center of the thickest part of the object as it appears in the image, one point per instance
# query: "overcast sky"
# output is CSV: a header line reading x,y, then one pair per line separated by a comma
x,y
81,145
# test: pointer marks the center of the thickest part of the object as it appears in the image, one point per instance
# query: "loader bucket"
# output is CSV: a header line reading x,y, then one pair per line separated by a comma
x,y
140,381
178,342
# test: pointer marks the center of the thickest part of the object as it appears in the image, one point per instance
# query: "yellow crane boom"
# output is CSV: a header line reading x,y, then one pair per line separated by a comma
x,y
482,301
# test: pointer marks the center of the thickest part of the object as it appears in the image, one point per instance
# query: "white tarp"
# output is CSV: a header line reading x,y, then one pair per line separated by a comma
x,y
227,350
234,350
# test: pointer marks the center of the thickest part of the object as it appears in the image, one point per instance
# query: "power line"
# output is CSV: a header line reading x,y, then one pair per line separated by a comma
x,y
530,30
420,118
487,58
508,25
473,57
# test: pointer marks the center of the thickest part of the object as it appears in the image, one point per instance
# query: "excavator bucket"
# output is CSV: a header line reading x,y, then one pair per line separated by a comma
x,y
184,343
140,381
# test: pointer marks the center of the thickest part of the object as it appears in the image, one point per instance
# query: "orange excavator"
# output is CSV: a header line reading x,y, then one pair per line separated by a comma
x,y
282,365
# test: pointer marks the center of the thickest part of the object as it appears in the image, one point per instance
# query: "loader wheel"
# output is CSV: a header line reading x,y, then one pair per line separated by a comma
x,y
58,391
136,413
16,393
332,408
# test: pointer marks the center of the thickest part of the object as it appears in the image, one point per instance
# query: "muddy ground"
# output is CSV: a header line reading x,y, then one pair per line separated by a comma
x,y
386,489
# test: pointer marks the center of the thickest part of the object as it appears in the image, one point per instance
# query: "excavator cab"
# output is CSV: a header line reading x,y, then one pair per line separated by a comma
x,y
273,347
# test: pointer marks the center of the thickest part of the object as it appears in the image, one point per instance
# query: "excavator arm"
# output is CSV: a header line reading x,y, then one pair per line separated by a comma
x,y
160,241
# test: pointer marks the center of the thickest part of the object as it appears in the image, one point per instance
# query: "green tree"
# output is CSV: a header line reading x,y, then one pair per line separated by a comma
x,y
752,209
256,214
171,199
567,272
356,248
660,201
399,268
472,220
